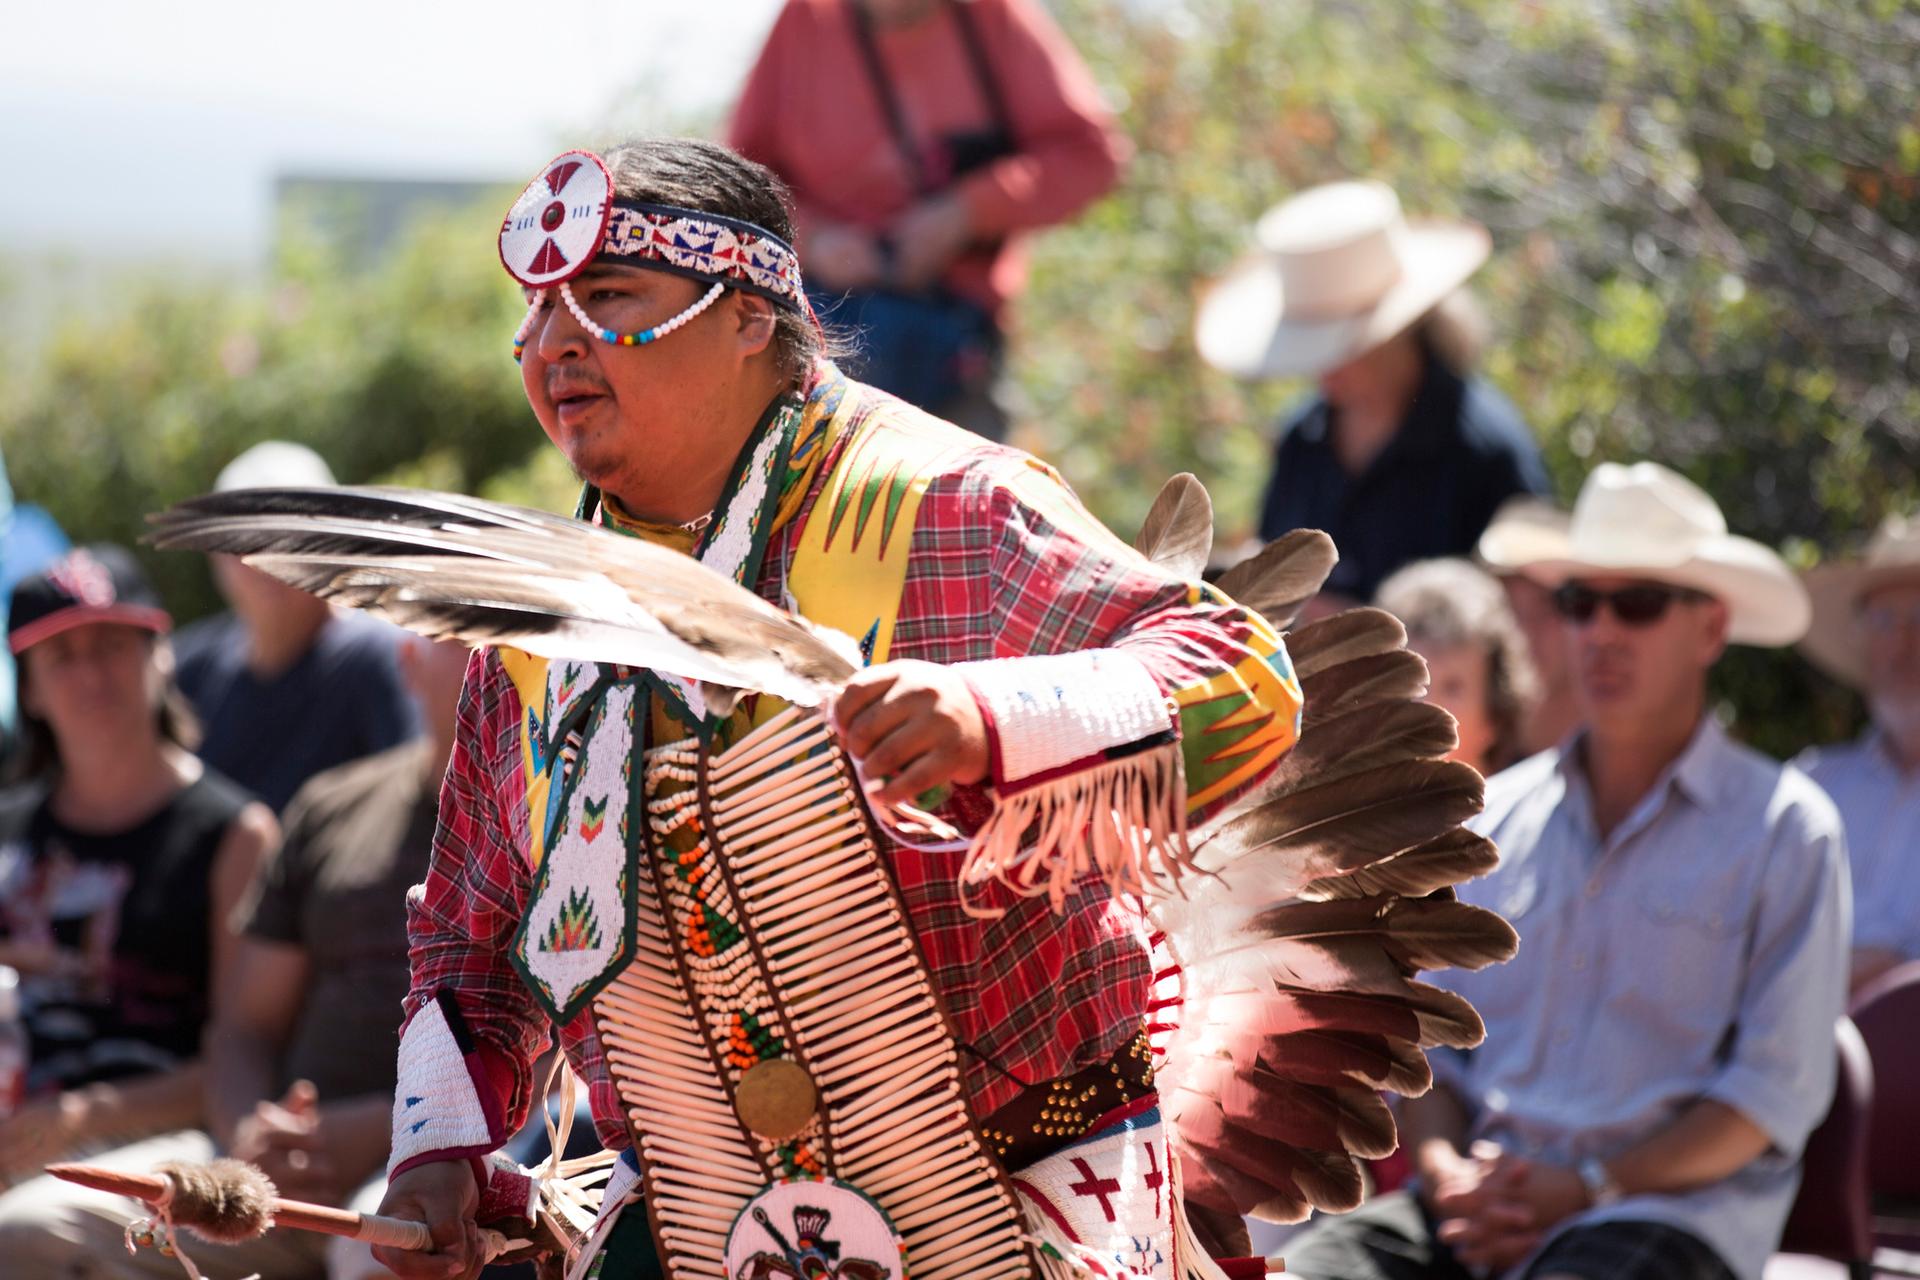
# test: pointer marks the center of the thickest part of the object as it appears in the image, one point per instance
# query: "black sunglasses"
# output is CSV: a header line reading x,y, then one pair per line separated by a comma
x,y
1636,606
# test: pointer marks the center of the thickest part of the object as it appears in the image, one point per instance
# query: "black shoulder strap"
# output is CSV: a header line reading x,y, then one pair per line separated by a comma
x,y
977,59
982,68
889,101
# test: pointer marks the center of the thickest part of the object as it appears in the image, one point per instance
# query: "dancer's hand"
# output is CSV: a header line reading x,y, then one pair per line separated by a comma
x,y
442,1194
911,727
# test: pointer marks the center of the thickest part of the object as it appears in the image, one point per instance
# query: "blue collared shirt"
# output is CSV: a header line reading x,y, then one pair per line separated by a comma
x,y
1697,951
1881,806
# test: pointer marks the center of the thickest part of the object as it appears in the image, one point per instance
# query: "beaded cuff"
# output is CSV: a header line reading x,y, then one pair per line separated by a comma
x,y
1069,711
440,1100
1087,774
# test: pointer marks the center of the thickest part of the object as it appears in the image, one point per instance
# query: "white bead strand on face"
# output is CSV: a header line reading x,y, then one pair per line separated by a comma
x,y
642,338
520,335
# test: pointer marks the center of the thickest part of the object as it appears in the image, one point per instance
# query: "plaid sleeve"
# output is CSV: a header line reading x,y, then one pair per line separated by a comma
x,y
1007,565
1063,583
461,920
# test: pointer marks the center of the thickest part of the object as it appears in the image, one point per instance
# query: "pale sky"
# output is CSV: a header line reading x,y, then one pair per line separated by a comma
x,y
135,129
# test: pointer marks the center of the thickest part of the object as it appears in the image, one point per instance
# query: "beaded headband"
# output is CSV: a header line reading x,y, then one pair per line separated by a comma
x,y
567,217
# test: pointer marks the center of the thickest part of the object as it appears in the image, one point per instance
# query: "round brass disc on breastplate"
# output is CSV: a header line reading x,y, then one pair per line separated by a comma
x,y
775,1099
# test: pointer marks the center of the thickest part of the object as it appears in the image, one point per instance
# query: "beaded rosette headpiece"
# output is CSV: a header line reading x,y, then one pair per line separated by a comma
x,y
568,216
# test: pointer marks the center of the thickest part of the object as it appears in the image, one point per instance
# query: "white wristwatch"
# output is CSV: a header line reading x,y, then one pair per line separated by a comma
x,y
1601,1188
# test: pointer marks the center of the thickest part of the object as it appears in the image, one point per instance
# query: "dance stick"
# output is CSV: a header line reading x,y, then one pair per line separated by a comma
x,y
228,1201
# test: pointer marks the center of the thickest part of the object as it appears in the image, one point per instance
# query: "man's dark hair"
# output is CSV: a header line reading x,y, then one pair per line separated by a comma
x,y
706,176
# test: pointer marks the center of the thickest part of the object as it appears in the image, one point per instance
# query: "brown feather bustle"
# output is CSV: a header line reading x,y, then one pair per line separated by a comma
x,y
1347,853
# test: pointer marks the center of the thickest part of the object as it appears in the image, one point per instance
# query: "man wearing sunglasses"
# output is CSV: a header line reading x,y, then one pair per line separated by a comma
x,y
1663,1044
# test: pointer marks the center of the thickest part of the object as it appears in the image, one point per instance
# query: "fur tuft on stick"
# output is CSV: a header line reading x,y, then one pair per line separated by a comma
x,y
223,1201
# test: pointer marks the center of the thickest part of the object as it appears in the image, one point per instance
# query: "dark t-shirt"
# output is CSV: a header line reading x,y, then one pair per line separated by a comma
x,y
342,700
357,838
1461,451
137,906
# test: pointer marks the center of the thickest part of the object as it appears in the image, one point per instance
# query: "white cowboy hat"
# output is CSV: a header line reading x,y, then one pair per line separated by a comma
x,y
1645,521
1338,271
1514,531
1835,643
276,464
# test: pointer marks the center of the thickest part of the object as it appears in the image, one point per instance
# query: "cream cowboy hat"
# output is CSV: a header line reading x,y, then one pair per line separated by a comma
x,y
1835,643
1645,521
1338,271
1515,528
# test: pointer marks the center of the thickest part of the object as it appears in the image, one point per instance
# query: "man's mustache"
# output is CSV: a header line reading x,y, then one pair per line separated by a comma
x,y
560,386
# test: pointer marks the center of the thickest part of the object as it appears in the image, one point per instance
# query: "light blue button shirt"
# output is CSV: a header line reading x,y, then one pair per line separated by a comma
x,y
1698,951
1881,807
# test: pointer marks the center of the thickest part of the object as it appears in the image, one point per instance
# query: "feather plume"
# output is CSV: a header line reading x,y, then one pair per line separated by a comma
x,y
1453,858
1339,1057
487,573
1344,637
1326,830
1364,682
1328,1119
1417,933
1278,580
1286,1180
1360,740
1331,888
1177,534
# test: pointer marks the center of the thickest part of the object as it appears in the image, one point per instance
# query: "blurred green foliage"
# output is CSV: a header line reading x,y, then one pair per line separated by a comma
x,y
404,375
1704,213
1705,216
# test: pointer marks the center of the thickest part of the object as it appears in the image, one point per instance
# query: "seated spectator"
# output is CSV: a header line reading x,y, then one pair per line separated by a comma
x,y
1403,454
1866,634
30,540
300,1060
1661,1047
921,140
121,859
1457,619
284,686
1555,710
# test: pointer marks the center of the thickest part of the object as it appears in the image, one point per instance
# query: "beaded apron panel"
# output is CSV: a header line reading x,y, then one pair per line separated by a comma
x,y
778,1020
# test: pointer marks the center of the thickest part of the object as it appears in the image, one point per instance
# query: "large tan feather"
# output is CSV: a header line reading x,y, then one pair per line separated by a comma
x,y
1453,858
485,573
1344,637
1418,933
1177,534
1362,739
1385,677
1284,843
1378,1061
1278,580
1284,1180
1328,1118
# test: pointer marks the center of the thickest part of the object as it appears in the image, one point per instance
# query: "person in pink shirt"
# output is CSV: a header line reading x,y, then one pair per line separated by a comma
x,y
921,138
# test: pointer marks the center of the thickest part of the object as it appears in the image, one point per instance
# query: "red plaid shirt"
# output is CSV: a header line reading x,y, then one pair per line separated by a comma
x,y
1033,995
